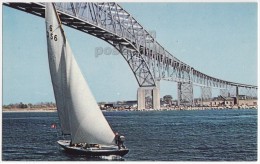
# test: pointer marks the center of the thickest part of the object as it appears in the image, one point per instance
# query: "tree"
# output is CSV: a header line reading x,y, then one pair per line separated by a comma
x,y
167,99
21,105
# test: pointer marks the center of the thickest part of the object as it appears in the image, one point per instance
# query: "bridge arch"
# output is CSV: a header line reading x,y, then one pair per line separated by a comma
x,y
115,37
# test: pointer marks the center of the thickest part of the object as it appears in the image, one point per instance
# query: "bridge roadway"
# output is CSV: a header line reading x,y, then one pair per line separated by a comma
x,y
148,60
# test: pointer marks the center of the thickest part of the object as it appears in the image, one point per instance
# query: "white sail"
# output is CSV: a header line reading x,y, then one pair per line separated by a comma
x,y
57,65
77,108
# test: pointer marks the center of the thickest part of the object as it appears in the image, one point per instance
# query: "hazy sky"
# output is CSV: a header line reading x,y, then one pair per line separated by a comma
x,y
218,39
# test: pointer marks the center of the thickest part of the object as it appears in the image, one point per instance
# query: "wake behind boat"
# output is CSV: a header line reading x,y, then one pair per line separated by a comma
x,y
79,115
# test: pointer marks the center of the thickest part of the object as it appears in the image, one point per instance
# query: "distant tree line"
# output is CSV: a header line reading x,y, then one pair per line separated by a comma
x,y
30,105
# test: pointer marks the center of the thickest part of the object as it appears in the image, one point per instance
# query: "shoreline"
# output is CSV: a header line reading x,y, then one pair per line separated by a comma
x,y
146,110
27,110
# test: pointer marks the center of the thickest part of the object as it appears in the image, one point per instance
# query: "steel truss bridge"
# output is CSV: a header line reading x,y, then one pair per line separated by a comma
x,y
148,60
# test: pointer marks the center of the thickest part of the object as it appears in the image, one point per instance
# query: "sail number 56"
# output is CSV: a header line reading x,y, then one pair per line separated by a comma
x,y
51,35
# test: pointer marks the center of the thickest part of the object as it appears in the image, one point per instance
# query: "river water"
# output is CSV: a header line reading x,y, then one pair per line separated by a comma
x,y
209,135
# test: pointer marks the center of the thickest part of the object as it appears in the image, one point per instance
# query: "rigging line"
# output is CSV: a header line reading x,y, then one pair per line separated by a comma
x,y
60,24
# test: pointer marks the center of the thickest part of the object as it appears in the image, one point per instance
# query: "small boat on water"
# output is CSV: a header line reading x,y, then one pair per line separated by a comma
x,y
80,117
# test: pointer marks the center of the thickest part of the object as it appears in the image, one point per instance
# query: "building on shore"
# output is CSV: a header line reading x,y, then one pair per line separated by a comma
x,y
246,101
119,105
240,101
216,102
220,101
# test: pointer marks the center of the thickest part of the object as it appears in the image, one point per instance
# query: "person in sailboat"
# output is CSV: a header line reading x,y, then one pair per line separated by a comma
x,y
116,138
119,140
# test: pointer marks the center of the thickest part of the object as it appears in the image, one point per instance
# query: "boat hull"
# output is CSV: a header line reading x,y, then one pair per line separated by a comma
x,y
92,152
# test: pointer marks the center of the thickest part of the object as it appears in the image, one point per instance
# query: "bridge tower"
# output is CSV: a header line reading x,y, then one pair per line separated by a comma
x,y
185,93
237,95
141,96
206,93
156,97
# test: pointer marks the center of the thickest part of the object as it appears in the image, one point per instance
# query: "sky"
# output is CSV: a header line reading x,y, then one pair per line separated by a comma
x,y
218,39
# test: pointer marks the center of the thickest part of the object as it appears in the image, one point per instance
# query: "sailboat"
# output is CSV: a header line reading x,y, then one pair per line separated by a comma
x,y
79,115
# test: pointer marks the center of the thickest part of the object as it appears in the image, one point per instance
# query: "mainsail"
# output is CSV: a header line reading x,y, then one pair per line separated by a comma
x,y
78,111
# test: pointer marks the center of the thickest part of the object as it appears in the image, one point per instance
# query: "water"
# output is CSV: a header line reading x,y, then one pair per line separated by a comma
x,y
210,135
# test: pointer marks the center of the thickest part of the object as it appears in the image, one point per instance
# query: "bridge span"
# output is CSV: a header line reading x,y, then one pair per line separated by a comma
x,y
148,60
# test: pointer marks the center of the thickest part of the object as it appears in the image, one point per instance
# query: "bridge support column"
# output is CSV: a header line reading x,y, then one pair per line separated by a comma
x,y
251,92
206,94
185,93
143,95
140,98
237,91
237,95
156,98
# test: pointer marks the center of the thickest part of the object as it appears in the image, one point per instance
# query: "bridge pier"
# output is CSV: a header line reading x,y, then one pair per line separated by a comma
x,y
185,93
156,98
141,97
206,93
237,95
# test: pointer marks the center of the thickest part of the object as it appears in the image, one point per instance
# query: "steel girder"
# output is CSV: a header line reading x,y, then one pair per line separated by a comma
x,y
249,92
115,26
229,91
206,93
224,93
185,94
148,60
